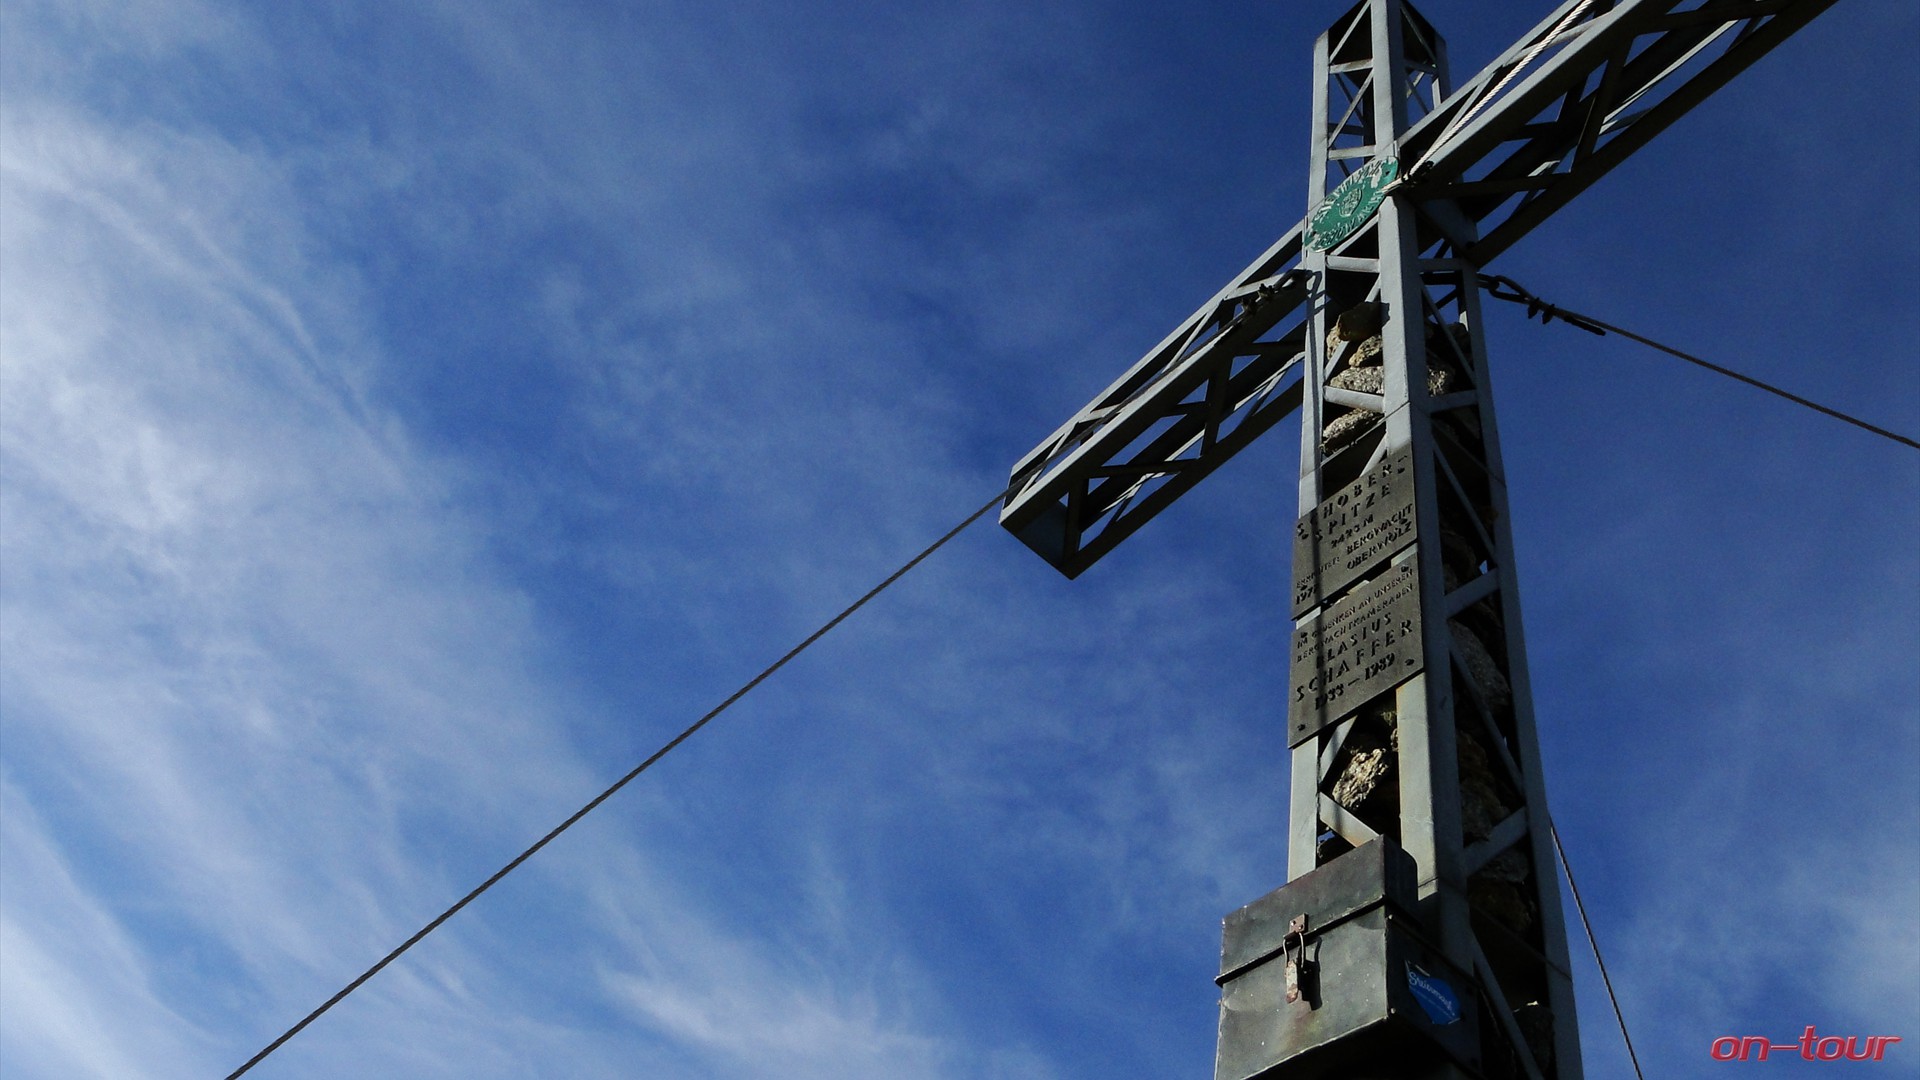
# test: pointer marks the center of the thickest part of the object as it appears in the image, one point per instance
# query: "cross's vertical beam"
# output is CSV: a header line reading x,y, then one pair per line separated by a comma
x,y
1409,714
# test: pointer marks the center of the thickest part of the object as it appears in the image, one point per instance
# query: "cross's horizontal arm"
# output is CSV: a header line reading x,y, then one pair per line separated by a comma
x,y
1559,110
1592,83
1220,379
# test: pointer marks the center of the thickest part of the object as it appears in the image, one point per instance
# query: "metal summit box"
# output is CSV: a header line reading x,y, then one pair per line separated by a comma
x,y
1328,977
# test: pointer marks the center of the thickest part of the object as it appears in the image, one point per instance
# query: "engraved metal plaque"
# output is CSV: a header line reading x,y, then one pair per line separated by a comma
x,y
1365,643
1352,532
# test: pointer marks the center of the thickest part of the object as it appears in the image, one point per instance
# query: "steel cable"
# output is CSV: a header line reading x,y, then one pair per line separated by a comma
x,y
1503,288
1594,944
608,793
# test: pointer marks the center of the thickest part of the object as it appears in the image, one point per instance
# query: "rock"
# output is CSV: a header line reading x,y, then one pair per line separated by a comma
x,y
1483,618
1365,380
1509,866
1360,322
1461,426
1365,772
1535,1021
1502,900
1480,805
1345,429
1373,380
1369,770
1443,353
1480,665
1458,557
1365,354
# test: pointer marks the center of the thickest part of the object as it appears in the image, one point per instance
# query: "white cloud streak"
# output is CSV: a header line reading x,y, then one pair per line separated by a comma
x,y
246,633
282,673
252,638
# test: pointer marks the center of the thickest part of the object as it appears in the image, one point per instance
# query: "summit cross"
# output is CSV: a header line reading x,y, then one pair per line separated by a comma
x,y
1420,931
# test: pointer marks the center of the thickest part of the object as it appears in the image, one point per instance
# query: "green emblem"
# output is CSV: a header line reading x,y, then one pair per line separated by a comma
x,y
1351,204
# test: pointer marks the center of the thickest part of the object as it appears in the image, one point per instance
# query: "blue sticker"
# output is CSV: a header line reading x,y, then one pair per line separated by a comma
x,y
1436,998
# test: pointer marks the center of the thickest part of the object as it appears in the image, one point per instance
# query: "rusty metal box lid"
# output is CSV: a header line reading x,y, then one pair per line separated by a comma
x,y
1375,873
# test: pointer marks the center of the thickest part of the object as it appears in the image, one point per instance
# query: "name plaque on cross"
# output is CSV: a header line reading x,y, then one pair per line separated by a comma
x,y
1364,644
1353,531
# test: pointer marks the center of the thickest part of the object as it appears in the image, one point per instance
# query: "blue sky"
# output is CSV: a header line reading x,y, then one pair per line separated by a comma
x,y
415,413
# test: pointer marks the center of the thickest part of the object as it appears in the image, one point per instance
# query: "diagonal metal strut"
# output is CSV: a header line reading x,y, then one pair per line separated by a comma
x,y
1577,95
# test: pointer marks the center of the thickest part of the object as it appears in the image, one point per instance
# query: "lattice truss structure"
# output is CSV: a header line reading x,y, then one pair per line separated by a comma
x,y
1568,101
1398,417
1410,716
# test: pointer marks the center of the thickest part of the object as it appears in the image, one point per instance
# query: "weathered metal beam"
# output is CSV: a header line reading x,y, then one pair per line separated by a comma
x,y
1192,402
1591,166
1481,147
1492,163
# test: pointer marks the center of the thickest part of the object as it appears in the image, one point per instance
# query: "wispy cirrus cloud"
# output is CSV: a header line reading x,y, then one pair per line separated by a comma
x,y
249,634
256,636
413,415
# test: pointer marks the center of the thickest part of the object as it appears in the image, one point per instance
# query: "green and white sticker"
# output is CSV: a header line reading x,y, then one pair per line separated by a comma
x,y
1351,204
